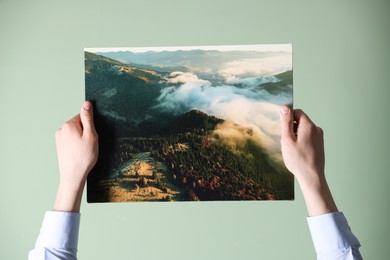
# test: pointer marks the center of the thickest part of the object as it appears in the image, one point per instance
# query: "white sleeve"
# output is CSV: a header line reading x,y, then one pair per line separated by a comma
x,y
58,237
332,237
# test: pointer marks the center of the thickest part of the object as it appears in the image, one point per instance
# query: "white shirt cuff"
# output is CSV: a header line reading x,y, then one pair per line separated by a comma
x,y
59,230
331,232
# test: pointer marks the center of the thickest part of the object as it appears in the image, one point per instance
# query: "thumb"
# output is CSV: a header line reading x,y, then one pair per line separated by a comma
x,y
287,122
86,116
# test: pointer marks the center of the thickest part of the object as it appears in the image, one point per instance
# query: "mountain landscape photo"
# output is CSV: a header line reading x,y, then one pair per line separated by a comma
x,y
189,123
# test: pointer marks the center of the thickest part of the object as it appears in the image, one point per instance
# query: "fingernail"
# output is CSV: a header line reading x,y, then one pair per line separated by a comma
x,y
87,106
284,110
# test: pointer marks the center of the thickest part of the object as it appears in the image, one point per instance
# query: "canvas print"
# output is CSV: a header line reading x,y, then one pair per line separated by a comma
x,y
189,123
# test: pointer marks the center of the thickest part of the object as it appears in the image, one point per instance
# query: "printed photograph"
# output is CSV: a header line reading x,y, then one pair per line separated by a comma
x,y
189,123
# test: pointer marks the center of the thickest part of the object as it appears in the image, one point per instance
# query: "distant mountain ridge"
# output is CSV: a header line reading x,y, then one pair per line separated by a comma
x,y
168,61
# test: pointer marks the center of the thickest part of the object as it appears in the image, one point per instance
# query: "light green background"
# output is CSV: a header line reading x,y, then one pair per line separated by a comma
x,y
341,75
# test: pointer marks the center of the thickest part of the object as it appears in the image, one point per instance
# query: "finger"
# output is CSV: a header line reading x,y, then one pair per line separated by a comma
x,y
286,119
301,117
86,116
304,124
74,122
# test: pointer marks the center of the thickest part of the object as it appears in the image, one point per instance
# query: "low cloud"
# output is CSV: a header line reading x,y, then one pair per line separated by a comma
x,y
253,109
256,67
251,81
182,77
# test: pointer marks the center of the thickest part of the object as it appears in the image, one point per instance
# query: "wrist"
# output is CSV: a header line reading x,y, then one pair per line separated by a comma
x,y
317,195
311,180
72,183
69,196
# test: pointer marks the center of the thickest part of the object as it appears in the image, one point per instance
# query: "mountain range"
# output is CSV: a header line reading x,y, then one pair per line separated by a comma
x,y
188,61
128,121
127,94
